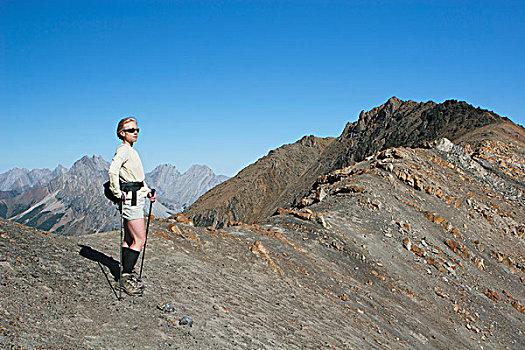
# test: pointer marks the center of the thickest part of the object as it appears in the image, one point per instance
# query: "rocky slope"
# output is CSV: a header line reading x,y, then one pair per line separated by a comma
x,y
393,124
254,192
73,203
411,248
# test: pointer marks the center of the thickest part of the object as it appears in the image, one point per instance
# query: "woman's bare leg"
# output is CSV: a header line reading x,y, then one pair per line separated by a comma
x,y
135,236
127,236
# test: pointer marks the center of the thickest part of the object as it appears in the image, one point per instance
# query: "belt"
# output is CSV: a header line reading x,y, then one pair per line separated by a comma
x,y
133,187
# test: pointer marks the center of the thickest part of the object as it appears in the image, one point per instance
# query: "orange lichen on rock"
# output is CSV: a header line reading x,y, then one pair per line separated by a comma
x,y
515,303
430,190
174,228
411,205
492,295
435,218
429,215
305,214
259,249
438,219
418,251
455,233
181,218
231,223
414,249
436,264
458,248
441,293
480,263
161,234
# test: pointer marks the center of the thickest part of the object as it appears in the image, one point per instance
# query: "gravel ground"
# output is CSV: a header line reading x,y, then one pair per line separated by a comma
x,y
381,273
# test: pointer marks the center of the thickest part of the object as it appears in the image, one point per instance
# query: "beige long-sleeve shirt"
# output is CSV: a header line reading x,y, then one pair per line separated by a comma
x,y
126,167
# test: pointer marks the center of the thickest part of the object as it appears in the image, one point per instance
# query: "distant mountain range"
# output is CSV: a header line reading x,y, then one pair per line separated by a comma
x,y
70,201
178,191
18,179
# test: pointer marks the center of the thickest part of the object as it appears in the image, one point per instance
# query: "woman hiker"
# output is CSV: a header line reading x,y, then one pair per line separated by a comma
x,y
126,178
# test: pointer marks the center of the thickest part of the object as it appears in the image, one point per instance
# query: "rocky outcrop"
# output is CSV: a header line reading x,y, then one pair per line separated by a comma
x,y
255,193
396,123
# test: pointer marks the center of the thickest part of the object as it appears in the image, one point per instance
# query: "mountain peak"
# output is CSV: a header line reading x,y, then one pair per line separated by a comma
x,y
393,102
380,114
162,168
198,168
309,141
88,164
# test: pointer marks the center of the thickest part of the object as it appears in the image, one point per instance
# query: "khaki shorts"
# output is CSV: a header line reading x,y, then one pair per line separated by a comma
x,y
132,212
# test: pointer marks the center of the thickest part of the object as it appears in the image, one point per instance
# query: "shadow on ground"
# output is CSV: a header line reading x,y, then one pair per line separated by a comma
x,y
101,258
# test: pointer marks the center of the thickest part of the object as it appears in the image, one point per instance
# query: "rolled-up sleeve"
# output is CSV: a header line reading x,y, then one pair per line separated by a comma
x,y
114,169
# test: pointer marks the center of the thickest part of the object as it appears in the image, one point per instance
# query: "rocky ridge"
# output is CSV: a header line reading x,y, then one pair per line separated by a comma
x,y
393,124
411,248
253,193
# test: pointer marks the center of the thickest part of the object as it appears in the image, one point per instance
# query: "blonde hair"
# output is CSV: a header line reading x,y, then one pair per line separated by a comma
x,y
121,124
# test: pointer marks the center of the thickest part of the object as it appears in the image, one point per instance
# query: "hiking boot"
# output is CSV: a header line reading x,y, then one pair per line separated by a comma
x,y
136,280
130,285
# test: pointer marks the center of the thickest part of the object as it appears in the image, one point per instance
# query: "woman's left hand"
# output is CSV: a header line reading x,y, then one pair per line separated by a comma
x,y
153,197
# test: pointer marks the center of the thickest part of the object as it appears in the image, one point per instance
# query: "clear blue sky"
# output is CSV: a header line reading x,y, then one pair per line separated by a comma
x,y
223,82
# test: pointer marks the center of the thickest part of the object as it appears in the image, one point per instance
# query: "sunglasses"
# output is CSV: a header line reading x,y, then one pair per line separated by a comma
x,y
131,130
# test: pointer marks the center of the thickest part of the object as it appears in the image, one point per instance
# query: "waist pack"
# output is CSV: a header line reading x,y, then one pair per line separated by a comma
x,y
132,187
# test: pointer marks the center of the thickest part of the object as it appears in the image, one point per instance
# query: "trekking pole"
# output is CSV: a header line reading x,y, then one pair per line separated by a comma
x,y
120,206
146,239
